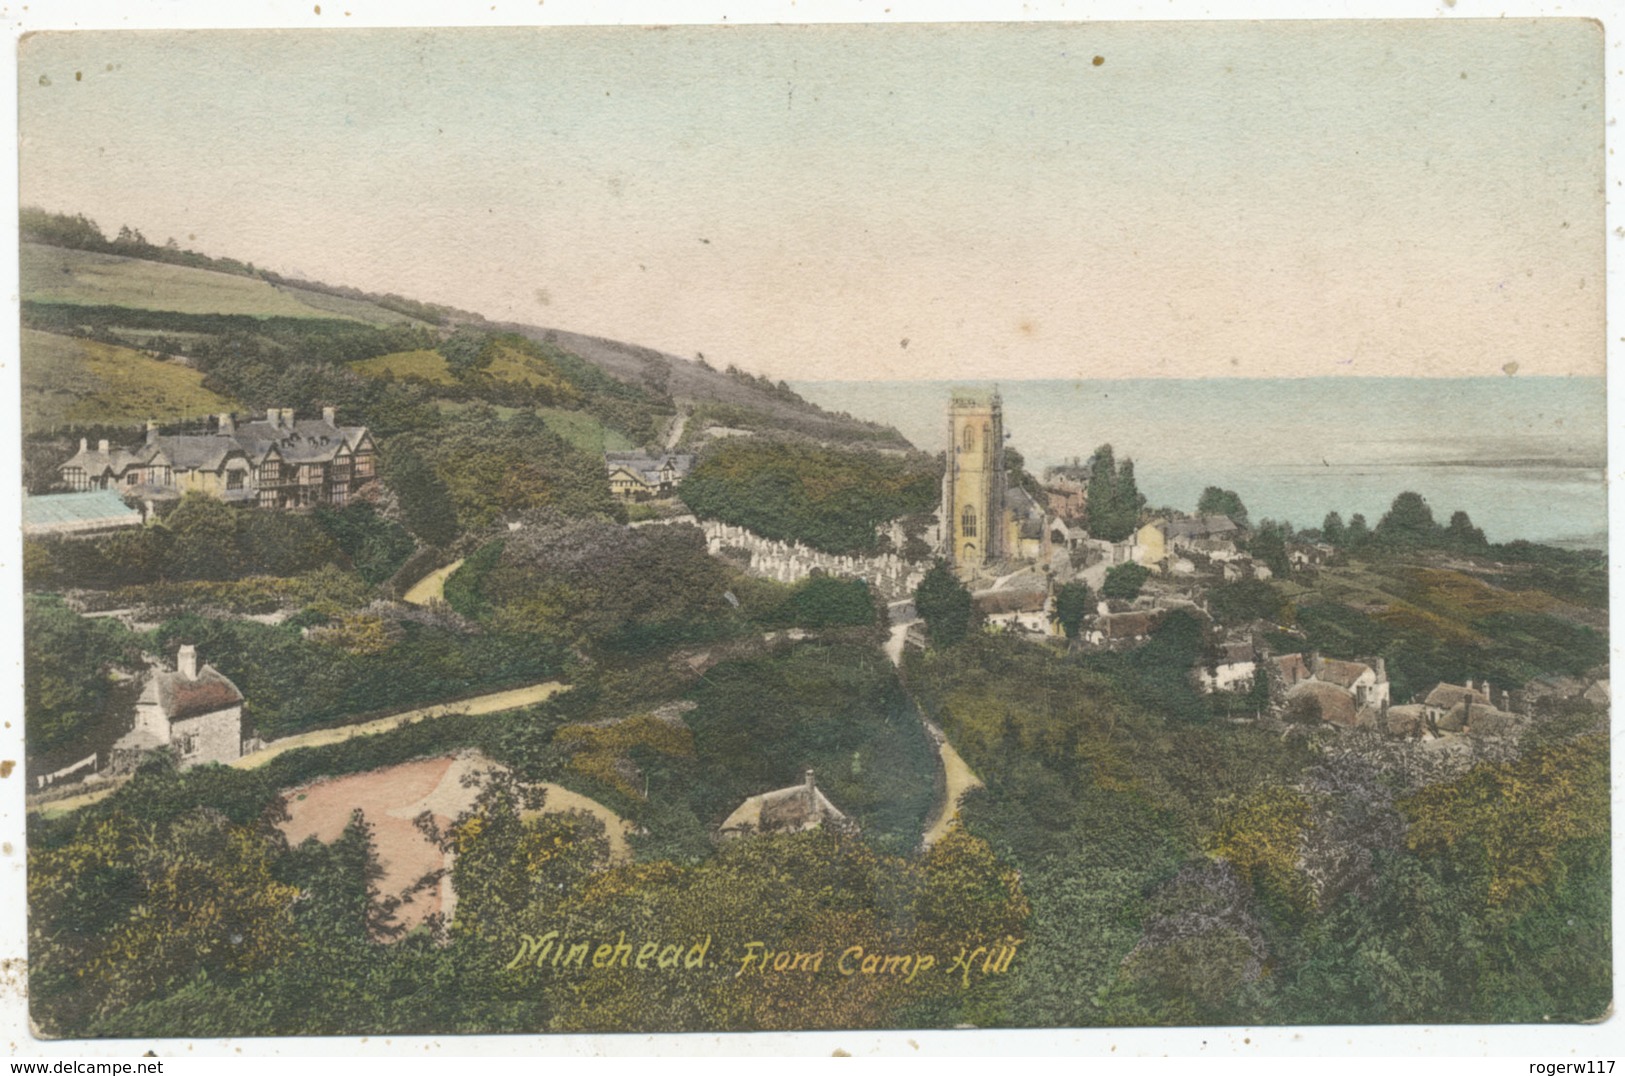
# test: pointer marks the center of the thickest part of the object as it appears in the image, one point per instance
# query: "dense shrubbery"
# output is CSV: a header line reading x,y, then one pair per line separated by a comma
x,y
67,659
201,539
591,581
829,499
1213,873
477,471
376,547
835,709
291,682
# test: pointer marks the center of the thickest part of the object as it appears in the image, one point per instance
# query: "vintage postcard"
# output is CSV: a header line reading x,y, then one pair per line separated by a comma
x,y
782,528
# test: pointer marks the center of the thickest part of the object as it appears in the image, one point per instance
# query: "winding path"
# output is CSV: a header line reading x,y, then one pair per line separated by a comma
x,y
958,778
432,587
495,702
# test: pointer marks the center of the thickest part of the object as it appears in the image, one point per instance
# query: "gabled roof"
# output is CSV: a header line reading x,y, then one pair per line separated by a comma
x,y
1127,625
180,698
1294,670
1336,705
64,513
94,461
992,602
304,440
1201,527
1342,673
196,452
1445,696
648,467
786,810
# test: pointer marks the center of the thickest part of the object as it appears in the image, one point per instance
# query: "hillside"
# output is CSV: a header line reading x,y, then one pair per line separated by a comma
x,y
715,397
86,278
72,382
256,337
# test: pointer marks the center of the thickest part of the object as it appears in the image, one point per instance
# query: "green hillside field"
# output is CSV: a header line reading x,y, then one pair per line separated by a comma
x,y
68,381
61,275
424,364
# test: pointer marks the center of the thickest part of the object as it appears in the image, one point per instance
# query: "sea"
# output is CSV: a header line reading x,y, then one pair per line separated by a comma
x,y
1525,457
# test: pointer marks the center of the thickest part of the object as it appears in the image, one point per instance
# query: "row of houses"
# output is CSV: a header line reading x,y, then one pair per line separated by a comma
x,y
280,461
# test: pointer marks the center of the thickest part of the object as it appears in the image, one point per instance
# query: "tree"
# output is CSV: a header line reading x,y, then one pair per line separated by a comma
x,y
66,659
1269,545
1112,509
1333,531
1408,522
1072,604
1461,533
1125,581
205,539
426,506
1261,693
1222,502
945,605
1358,533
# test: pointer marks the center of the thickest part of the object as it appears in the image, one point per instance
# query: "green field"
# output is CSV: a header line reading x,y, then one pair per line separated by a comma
x,y
59,275
68,381
584,432
428,365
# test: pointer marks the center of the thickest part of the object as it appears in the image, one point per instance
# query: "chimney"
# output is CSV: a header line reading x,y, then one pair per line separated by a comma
x,y
227,426
273,416
330,415
84,445
152,431
186,662
809,782
101,446
1382,671
287,417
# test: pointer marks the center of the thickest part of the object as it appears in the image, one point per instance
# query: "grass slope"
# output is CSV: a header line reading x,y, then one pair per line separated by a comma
x,y
428,365
584,432
60,275
69,381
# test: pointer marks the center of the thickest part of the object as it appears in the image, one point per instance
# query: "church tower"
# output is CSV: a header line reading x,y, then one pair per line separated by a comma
x,y
973,483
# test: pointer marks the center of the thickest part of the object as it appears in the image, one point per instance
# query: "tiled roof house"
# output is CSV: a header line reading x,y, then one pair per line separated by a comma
x,y
276,462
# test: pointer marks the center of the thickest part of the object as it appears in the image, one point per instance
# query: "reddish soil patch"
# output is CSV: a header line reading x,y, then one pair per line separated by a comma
x,y
389,799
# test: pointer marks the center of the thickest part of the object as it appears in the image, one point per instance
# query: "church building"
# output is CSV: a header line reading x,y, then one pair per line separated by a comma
x,y
973,495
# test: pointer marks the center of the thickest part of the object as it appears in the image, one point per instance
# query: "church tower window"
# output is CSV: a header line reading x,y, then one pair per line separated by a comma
x,y
967,522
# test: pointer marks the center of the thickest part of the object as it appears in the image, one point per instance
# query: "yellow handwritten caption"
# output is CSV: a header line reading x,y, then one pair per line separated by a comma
x,y
549,950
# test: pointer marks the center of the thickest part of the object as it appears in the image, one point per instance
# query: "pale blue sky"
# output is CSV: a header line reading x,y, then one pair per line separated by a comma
x,y
1238,198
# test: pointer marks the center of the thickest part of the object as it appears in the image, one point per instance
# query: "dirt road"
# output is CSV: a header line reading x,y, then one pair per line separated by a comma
x,y
432,587
496,702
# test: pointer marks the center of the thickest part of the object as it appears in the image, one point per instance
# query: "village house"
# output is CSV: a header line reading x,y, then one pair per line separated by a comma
x,y
1241,566
1187,534
1067,489
1233,670
786,810
1114,631
1149,545
1016,609
1346,692
1451,708
637,476
276,462
1446,697
194,710
1027,537
1405,721
76,515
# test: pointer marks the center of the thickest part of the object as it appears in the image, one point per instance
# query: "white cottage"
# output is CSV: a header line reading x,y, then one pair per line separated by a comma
x,y
195,711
